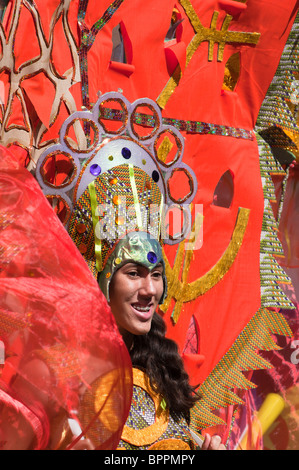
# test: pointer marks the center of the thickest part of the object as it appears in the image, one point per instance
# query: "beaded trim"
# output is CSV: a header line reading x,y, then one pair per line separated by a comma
x,y
191,127
200,127
87,39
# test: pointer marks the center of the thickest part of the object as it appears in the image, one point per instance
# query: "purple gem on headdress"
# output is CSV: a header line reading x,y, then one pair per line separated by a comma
x,y
155,176
126,153
95,169
152,257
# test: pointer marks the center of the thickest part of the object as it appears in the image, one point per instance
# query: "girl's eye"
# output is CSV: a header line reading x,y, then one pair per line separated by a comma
x,y
157,274
133,273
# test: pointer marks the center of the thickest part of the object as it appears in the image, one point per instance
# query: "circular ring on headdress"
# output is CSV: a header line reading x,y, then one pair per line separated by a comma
x,y
58,173
62,207
83,150
114,116
87,123
152,121
170,137
185,228
46,177
101,112
191,179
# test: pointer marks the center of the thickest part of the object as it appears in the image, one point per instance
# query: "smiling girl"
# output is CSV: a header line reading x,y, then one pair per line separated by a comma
x,y
134,283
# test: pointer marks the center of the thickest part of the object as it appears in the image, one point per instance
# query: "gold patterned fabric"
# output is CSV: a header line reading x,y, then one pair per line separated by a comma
x,y
150,426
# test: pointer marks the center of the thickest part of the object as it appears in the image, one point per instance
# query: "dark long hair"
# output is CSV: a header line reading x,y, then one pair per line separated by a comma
x,y
159,357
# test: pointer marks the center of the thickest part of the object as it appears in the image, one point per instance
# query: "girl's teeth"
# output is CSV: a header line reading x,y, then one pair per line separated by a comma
x,y
142,309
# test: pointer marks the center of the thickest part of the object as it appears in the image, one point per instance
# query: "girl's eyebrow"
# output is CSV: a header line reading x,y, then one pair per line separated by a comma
x,y
159,265
136,264
130,264
133,265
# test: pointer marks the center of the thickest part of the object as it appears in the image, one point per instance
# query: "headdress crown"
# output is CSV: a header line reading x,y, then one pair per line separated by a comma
x,y
118,179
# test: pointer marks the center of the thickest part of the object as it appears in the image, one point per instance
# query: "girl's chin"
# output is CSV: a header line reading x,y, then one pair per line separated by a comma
x,y
139,329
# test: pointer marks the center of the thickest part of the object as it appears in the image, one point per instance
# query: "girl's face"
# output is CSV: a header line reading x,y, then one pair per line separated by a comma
x,y
135,292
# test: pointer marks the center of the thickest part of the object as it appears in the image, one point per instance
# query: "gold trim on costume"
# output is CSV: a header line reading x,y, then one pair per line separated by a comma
x,y
170,444
148,435
182,291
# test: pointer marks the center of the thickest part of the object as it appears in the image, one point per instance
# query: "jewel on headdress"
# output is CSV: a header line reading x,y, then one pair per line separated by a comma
x,y
155,176
126,153
82,248
117,200
119,220
152,257
95,170
81,228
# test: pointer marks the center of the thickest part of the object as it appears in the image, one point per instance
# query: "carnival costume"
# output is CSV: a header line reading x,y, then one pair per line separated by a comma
x,y
204,68
118,213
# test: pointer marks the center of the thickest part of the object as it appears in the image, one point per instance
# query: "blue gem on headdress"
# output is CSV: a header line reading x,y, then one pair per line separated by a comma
x,y
126,153
155,176
152,257
95,170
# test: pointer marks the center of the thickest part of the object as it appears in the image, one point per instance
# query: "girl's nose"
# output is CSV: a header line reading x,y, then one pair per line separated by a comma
x,y
148,288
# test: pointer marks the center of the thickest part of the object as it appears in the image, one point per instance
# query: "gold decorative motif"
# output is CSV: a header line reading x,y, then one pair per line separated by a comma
x,y
213,36
27,137
105,401
182,291
170,444
294,136
148,435
99,412
164,149
232,72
